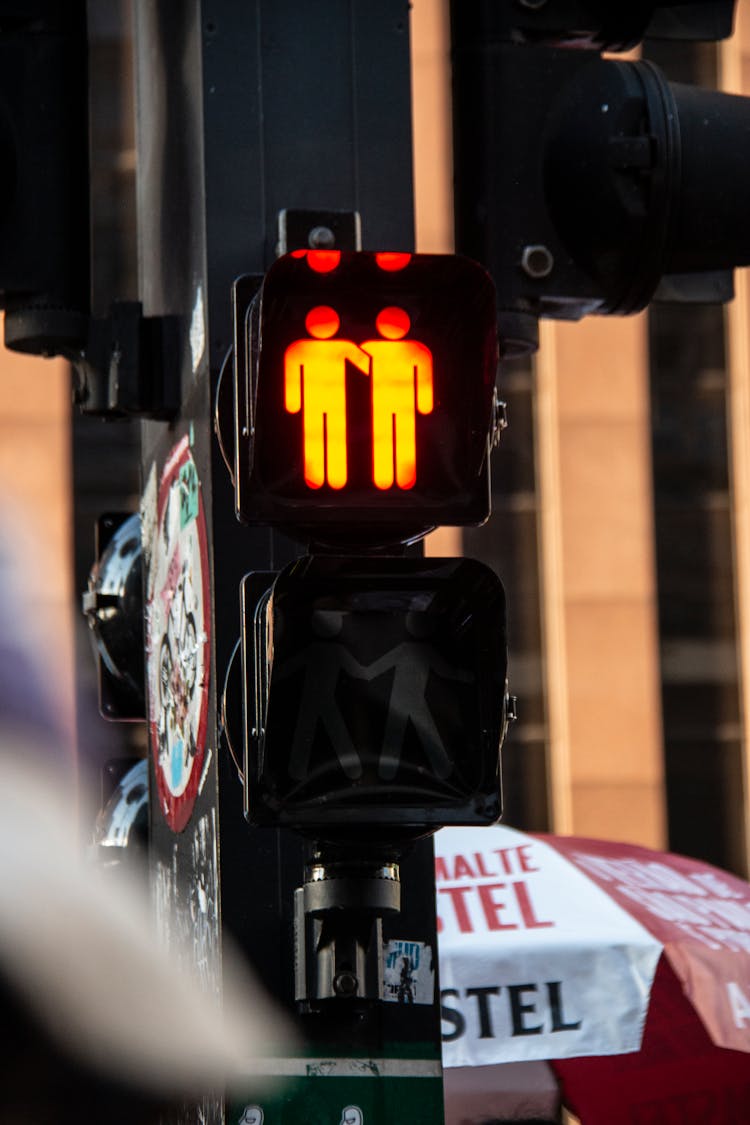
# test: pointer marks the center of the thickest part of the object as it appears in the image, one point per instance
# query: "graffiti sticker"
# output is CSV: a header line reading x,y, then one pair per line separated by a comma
x,y
409,974
352,1115
252,1115
177,637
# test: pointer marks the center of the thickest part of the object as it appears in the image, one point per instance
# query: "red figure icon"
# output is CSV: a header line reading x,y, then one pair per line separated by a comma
x,y
315,383
398,367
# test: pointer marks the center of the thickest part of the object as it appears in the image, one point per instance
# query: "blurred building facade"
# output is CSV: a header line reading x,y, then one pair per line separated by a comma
x,y
621,529
621,507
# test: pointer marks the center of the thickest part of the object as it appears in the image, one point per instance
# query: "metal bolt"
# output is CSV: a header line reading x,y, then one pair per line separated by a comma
x,y
345,983
321,238
537,261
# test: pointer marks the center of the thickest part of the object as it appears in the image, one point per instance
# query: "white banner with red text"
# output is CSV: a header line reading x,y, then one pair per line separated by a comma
x,y
536,960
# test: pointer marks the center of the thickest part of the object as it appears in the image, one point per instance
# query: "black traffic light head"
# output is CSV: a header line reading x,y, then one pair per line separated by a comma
x,y
364,389
582,181
44,213
612,25
375,695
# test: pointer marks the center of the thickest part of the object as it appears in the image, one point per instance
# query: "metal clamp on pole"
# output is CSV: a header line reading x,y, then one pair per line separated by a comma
x,y
338,929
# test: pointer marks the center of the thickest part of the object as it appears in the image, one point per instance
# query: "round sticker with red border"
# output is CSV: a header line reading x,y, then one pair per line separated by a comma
x,y
177,637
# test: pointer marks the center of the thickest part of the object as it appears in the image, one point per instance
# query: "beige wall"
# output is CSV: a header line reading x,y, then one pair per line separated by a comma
x,y
596,532
735,79
433,163
606,760
431,122
599,589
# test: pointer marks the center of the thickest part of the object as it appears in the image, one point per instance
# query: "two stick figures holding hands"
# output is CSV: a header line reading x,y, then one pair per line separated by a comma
x,y
401,376
326,658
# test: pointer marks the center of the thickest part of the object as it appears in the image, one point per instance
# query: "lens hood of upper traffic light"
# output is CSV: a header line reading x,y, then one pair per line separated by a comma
x,y
582,181
612,25
644,178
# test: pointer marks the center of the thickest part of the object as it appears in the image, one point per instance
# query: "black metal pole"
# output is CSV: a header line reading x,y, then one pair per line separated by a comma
x,y
246,111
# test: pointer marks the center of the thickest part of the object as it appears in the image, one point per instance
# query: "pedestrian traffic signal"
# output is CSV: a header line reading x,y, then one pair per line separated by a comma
x,y
364,394
583,182
375,694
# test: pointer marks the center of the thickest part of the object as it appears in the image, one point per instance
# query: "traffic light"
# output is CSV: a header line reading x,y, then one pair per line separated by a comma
x,y
374,684
375,694
364,395
125,364
584,182
612,25
44,211
372,700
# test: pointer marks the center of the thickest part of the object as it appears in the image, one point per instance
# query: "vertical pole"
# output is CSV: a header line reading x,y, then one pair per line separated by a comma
x,y
733,56
246,110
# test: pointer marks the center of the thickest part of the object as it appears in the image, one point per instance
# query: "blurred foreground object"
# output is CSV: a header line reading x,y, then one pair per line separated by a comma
x,y
100,1023
523,1092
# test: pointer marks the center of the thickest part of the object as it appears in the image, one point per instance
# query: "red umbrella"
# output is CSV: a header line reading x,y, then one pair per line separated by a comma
x,y
678,1077
627,967
693,1065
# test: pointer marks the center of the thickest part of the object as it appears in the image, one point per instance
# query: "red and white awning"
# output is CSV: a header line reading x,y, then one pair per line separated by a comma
x,y
549,945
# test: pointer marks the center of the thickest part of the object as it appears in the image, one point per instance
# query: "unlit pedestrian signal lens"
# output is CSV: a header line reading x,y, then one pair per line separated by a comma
x,y
375,691
363,388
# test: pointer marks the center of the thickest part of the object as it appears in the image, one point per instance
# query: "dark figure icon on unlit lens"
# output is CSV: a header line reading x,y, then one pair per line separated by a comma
x,y
412,663
323,663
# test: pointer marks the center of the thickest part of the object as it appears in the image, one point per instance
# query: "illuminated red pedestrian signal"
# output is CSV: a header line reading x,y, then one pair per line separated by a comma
x,y
399,368
364,388
315,386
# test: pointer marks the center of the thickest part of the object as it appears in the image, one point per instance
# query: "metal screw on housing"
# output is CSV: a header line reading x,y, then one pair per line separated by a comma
x,y
537,261
321,238
345,984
